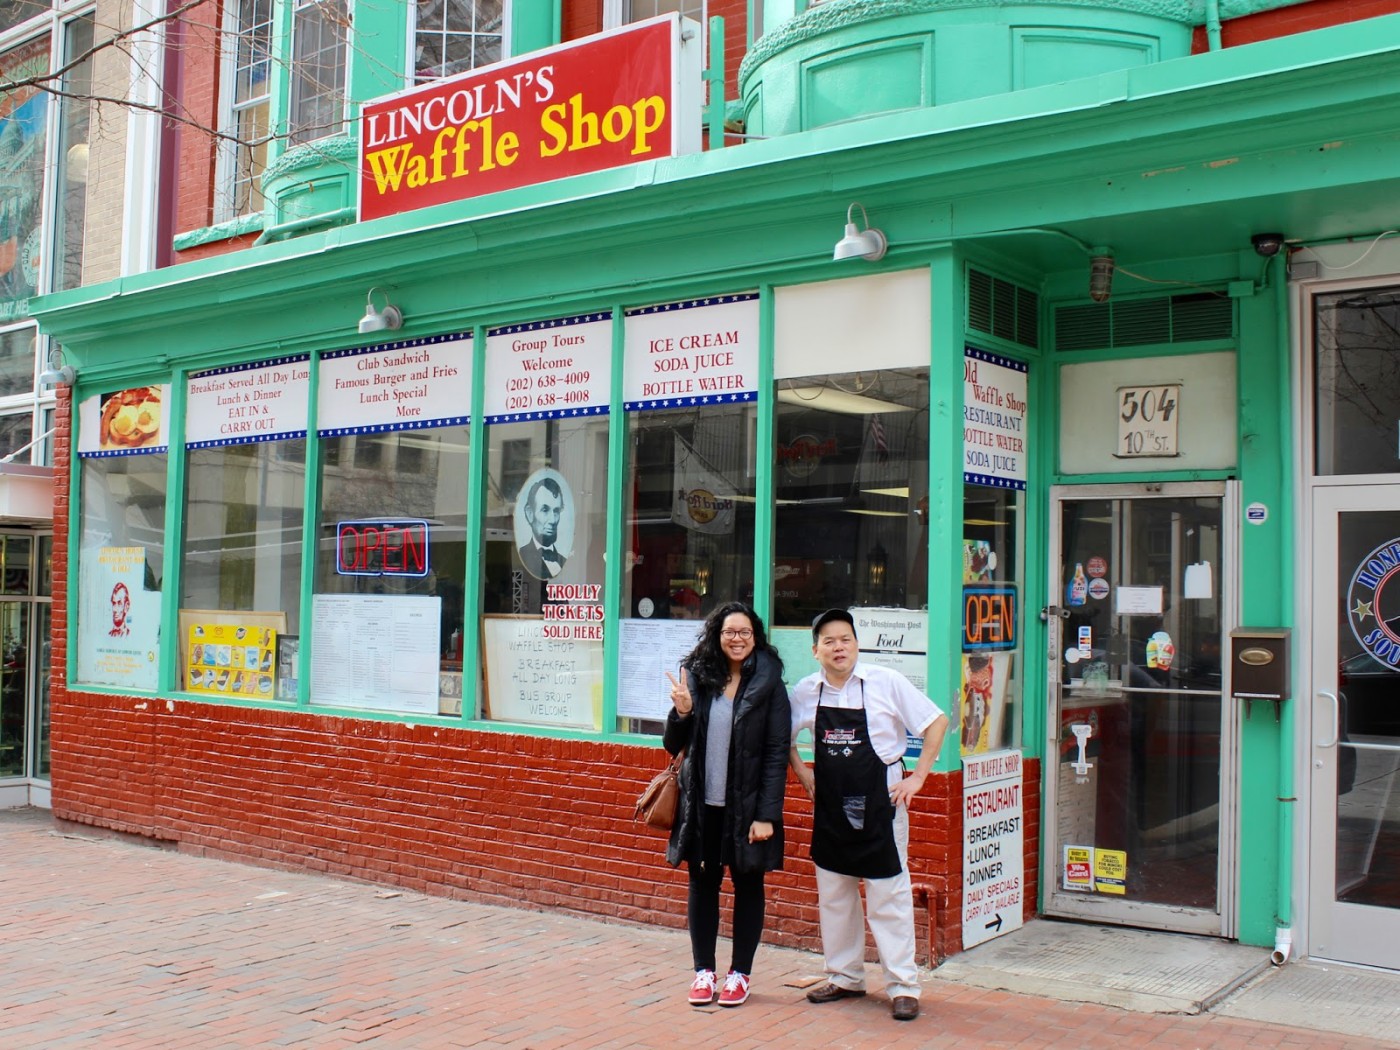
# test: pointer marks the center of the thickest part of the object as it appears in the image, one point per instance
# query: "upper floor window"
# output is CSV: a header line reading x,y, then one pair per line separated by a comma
x,y
248,41
319,33
453,36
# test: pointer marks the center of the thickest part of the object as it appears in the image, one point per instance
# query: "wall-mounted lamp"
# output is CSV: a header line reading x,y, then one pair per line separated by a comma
x,y
1101,275
388,319
868,243
57,373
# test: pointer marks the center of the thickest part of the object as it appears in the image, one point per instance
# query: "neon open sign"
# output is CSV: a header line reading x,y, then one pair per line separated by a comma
x,y
381,548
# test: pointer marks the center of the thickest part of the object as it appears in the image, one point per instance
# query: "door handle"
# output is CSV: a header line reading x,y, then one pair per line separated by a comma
x,y
1336,718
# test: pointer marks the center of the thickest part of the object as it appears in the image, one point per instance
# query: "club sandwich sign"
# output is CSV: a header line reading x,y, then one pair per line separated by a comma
x,y
616,98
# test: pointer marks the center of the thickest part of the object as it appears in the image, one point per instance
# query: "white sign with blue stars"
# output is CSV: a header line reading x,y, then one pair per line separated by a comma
x,y
693,353
549,369
406,385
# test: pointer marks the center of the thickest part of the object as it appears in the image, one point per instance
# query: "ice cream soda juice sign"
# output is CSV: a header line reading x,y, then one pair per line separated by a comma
x,y
619,97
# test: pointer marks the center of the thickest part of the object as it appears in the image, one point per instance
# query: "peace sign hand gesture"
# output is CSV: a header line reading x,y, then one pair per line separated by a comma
x,y
680,695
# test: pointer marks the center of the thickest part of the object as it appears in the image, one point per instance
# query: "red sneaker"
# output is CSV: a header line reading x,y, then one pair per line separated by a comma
x,y
703,991
736,989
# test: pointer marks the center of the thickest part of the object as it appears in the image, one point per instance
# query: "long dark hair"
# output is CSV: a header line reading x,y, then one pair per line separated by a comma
x,y
708,664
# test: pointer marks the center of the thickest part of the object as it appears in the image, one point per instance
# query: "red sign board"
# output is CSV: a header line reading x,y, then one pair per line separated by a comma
x,y
616,98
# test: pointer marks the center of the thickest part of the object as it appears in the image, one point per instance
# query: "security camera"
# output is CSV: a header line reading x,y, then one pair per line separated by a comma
x,y
1267,244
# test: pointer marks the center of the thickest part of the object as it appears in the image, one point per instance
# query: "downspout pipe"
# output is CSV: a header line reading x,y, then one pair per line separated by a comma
x,y
1288,802
1213,25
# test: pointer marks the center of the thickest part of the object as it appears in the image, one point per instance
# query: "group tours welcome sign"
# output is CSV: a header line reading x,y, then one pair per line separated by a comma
x,y
619,97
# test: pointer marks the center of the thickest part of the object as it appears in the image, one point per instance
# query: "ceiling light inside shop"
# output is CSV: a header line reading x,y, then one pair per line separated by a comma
x,y
902,493
829,399
877,513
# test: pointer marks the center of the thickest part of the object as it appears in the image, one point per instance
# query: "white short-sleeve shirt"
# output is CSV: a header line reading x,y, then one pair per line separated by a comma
x,y
893,708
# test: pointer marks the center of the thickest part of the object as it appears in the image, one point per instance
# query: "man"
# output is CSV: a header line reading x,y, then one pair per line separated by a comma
x,y
859,715
543,506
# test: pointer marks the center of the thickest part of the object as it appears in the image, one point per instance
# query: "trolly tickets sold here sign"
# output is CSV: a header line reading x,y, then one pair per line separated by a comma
x,y
619,97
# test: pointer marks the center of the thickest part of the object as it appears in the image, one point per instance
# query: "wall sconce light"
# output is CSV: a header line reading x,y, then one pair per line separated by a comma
x,y
1101,275
702,578
57,373
389,319
868,243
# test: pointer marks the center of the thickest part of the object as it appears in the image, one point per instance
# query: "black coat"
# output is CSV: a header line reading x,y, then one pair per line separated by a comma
x,y
758,763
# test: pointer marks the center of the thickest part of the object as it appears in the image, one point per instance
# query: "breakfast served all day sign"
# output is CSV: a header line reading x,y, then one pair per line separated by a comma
x,y
618,97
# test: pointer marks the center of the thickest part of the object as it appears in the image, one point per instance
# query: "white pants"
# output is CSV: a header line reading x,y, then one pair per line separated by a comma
x,y
890,904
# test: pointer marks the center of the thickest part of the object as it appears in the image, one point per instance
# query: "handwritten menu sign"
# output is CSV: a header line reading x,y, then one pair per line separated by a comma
x,y
549,369
697,352
406,385
994,420
264,401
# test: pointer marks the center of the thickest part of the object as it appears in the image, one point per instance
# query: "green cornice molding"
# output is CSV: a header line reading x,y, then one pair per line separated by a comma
x,y
220,231
839,14
343,151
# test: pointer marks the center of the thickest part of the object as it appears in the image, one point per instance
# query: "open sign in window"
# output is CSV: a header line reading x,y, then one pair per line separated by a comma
x,y
382,548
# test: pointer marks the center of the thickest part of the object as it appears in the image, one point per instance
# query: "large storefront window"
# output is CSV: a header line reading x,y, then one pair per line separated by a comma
x,y
851,466
392,548
547,478
245,483
123,448
691,380
992,618
1356,339
387,616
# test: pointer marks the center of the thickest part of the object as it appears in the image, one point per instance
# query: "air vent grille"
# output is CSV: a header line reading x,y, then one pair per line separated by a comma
x,y
1005,310
1196,317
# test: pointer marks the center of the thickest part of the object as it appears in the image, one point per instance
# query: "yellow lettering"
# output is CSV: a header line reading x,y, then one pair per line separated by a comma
x,y
651,112
585,125
417,172
388,166
507,149
440,151
551,126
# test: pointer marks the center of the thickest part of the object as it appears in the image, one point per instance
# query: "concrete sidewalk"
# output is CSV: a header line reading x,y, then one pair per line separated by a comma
x,y
110,944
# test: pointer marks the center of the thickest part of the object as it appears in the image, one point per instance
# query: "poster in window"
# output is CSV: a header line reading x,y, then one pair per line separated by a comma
x,y
120,620
544,524
231,659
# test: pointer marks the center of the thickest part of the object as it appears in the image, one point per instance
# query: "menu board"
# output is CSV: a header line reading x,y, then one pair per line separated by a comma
x,y
651,649
264,401
994,420
696,352
549,369
376,651
406,385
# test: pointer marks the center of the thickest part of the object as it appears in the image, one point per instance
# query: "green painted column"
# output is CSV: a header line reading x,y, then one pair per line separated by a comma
x,y
534,24
1266,564
945,492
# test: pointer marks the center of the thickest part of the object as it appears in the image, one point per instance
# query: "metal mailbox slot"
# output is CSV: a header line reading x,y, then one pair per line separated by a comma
x,y
1260,665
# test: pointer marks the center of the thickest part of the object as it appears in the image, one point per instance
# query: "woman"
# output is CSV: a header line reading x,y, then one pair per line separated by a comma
x,y
730,715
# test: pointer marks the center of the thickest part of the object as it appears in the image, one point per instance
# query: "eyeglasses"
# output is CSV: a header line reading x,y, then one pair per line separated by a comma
x,y
731,635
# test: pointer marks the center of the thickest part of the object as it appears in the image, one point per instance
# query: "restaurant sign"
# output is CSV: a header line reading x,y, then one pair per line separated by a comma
x,y
618,97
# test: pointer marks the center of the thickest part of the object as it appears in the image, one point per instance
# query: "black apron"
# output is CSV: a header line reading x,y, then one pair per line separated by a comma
x,y
853,818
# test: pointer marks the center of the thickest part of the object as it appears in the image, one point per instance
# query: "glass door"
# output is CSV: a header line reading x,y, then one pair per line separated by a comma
x,y
1140,793
1354,913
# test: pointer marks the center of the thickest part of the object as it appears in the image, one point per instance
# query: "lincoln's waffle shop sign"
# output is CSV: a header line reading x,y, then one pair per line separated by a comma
x,y
628,95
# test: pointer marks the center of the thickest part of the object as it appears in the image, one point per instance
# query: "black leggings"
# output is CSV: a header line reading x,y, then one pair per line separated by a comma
x,y
703,911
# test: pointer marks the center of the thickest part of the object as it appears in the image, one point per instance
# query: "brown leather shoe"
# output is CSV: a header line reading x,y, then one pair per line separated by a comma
x,y
904,1008
829,993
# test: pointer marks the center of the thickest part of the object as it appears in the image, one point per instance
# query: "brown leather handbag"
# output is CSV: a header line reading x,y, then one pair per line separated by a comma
x,y
657,805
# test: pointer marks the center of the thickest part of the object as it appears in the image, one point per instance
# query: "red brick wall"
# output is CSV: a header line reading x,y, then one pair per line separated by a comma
x,y
198,57
1296,19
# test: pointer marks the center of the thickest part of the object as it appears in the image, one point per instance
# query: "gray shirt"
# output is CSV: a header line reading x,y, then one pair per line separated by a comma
x,y
717,749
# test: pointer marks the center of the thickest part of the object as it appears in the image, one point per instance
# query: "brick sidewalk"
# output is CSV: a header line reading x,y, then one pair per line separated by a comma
x,y
110,944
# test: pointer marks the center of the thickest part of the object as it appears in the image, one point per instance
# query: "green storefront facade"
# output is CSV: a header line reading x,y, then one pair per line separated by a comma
x,y
1112,323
